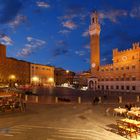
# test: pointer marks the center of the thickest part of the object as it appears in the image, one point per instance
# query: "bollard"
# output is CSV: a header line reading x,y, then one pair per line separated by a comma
x,y
100,100
138,98
56,100
79,100
120,99
26,97
36,99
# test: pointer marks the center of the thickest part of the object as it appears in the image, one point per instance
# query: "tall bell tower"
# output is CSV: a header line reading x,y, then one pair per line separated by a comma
x,y
94,31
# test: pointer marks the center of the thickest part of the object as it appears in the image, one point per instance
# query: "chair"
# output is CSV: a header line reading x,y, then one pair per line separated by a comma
x,y
126,129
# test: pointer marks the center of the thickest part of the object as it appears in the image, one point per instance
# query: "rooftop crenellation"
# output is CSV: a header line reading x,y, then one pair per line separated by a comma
x,y
134,47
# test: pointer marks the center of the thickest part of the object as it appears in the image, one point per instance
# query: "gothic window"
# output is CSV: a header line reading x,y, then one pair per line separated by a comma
x,y
122,79
107,87
133,88
133,67
111,87
122,87
127,67
127,87
133,57
133,78
127,78
102,87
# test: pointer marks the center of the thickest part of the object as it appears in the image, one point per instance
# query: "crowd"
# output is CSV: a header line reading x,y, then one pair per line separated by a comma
x,y
12,103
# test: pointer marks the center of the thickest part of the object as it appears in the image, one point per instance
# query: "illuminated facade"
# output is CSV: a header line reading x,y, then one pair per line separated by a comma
x,y
63,76
42,74
21,72
13,70
122,75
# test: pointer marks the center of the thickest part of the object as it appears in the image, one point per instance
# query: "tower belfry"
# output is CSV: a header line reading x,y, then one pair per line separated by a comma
x,y
94,31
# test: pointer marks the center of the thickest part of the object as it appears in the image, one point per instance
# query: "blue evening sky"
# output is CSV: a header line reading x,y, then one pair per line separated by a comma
x,y
55,32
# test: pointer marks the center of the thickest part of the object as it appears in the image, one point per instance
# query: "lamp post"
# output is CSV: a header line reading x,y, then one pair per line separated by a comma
x,y
67,76
12,80
51,81
35,80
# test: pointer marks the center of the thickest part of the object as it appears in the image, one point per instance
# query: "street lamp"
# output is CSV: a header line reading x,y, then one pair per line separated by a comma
x,y
12,80
67,76
51,81
67,71
35,80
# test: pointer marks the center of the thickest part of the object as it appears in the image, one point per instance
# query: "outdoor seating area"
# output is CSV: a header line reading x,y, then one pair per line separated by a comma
x,y
128,126
11,102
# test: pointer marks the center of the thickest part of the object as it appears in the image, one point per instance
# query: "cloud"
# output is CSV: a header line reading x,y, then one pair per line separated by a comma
x,y
17,21
69,24
62,48
60,51
135,12
104,59
64,32
80,53
85,33
87,46
74,13
9,10
32,46
4,39
42,4
112,15
61,43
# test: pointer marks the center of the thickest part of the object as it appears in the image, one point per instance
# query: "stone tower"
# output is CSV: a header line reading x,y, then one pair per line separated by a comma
x,y
94,31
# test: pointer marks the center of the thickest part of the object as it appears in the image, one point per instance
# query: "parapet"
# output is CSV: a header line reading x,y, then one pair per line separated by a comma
x,y
135,46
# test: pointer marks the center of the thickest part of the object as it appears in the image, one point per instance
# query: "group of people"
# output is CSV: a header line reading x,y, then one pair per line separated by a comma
x,y
12,103
129,106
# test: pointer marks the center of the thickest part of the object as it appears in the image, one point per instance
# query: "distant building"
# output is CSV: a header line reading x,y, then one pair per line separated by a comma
x,y
123,75
13,71
80,79
63,76
42,75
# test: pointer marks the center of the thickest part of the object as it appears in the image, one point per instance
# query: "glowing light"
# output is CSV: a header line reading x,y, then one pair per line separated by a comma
x,y
50,79
35,79
12,77
67,71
